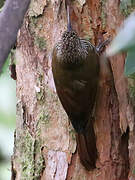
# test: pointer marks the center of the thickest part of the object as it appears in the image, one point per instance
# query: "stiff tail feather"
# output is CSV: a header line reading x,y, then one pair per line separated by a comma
x,y
87,148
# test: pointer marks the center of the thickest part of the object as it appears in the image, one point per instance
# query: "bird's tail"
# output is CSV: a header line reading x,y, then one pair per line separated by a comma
x,y
87,147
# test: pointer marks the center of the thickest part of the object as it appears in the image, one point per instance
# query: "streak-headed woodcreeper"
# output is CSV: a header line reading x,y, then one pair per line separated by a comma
x,y
75,67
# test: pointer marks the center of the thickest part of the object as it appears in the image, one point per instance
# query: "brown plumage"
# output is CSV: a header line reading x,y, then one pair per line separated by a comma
x,y
75,67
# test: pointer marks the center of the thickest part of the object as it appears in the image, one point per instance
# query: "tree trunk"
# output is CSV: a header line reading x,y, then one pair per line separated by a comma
x,y
45,144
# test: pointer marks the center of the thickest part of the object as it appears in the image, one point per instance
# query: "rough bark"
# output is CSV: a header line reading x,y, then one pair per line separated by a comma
x,y
45,145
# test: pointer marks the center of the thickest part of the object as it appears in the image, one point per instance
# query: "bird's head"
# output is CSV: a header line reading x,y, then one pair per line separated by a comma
x,y
70,41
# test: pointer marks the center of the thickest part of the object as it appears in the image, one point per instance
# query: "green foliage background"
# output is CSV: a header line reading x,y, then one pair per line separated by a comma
x,y
7,121
125,42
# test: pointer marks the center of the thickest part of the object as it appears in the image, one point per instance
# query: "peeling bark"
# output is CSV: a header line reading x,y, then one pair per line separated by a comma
x,y
45,144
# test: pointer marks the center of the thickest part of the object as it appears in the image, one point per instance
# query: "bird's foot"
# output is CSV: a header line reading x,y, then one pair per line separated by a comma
x,y
100,47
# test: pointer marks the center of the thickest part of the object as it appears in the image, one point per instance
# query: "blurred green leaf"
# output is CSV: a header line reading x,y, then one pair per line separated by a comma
x,y
130,63
5,172
5,66
6,141
7,100
7,120
125,39
1,3
7,97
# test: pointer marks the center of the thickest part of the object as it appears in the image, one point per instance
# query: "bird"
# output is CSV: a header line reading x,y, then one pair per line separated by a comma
x,y
75,68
